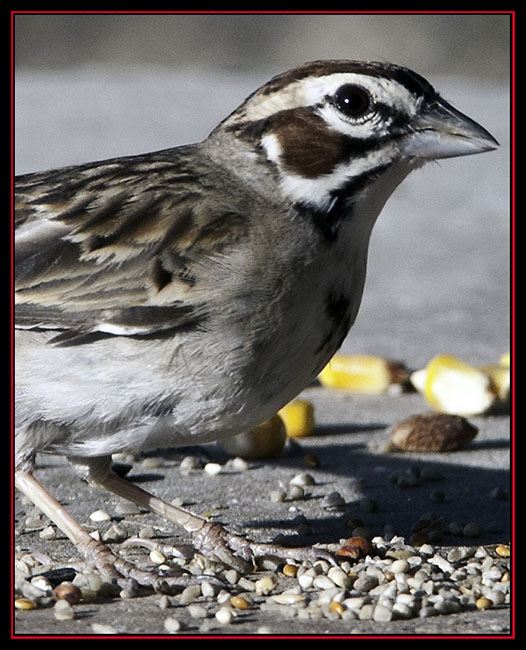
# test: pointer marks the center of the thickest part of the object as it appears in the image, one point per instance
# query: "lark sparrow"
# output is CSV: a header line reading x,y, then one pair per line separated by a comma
x,y
185,295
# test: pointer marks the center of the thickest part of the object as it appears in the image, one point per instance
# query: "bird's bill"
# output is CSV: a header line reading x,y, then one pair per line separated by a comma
x,y
441,131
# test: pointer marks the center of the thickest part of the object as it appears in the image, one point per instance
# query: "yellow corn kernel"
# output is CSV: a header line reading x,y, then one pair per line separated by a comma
x,y
298,417
362,373
500,379
453,386
264,441
505,360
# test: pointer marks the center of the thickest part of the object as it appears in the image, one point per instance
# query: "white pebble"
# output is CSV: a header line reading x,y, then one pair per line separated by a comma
x,y
197,611
323,582
302,479
172,625
231,576
401,610
63,610
265,585
189,594
208,589
278,496
382,613
295,492
224,615
102,628
339,577
41,582
164,602
157,557
305,580
441,563
223,597
400,566
366,612
354,602
190,463
99,515
47,533
239,464
426,550
288,598
212,468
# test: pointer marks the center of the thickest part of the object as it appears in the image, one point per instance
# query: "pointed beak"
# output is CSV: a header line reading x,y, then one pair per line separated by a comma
x,y
440,131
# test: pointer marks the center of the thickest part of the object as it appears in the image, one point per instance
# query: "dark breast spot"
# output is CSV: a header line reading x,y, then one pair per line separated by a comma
x,y
338,311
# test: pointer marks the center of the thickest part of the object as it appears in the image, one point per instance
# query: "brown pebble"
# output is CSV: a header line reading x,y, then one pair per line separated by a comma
x,y
355,548
25,603
311,461
67,591
290,570
336,607
433,432
483,603
239,602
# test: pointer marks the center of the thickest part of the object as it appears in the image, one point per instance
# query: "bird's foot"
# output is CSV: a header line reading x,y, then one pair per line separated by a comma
x,y
216,543
125,575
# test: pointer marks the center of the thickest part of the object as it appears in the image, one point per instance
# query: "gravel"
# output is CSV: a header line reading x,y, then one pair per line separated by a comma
x,y
399,581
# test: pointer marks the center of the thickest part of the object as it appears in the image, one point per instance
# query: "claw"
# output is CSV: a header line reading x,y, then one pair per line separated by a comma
x,y
180,551
213,540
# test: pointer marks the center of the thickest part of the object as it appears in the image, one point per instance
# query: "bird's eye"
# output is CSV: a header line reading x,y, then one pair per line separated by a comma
x,y
353,101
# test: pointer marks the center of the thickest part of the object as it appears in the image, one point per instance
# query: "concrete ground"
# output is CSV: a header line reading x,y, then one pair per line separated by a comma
x,y
438,282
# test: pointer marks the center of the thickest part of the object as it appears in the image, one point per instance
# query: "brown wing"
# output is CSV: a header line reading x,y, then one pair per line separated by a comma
x,y
111,246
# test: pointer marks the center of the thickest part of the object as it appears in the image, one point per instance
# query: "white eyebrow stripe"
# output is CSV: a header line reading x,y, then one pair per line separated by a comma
x,y
313,91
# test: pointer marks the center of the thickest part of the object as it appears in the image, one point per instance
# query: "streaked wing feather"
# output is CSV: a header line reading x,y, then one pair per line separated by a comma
x,y
109,247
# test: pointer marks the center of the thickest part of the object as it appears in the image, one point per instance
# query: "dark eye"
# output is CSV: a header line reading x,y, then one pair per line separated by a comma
x,y
353,101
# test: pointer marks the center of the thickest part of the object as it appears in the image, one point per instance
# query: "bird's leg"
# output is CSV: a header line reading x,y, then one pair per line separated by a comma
x,y
110,566
212,540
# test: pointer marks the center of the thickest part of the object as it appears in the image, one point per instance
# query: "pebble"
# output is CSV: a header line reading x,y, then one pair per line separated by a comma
x,y
189,594
378,580
63,611
288,598
502,550
302,479
400,566
240,602
212,468
333,501
382,613
25,603
68,592
48,533
224,616
172,625
102,628
471,530
265,585
100,515
190,463
197,611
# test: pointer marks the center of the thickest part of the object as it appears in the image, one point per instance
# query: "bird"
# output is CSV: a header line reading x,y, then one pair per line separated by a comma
x,y
185,295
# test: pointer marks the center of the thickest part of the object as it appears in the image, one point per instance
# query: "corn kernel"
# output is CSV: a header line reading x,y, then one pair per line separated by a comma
x,y
500,379
264,441
298,417
453,386
362,373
